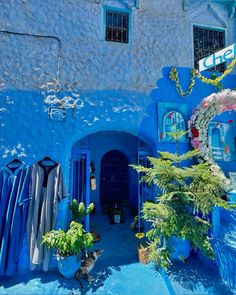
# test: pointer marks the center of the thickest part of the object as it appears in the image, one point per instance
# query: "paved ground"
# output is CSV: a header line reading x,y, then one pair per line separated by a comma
x,y
118,272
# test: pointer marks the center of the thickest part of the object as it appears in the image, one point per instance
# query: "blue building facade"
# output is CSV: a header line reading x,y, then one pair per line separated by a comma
x,y
57,55
91,78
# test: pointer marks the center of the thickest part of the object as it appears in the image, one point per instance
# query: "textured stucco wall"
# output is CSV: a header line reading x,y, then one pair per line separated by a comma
x,y
161,35
28,133
56,49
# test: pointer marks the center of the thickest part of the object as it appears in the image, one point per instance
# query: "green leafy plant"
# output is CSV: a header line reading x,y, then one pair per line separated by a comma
x,y
188,195
79,210
71,242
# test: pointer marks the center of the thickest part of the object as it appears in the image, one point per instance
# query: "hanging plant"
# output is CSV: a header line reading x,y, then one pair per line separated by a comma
x,y
174,76
211,106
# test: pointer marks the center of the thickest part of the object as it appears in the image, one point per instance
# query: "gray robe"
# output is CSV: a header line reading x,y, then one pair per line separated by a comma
x,y
42,212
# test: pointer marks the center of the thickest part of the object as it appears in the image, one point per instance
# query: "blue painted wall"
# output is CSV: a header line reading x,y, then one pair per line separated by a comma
x,y
166,92
57,50
28,133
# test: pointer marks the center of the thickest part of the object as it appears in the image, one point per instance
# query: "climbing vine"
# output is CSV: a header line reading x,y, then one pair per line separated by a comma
x,y
174,76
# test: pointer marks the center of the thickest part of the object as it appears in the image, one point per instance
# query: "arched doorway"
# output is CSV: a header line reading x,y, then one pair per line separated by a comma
x,y
109,144
114,179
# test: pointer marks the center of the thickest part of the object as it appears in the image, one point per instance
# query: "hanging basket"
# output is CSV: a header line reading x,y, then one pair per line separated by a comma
x,y
143,252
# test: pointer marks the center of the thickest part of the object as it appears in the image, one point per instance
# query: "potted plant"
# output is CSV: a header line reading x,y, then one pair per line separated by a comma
x,y
79,211
143,249
179,217
69,246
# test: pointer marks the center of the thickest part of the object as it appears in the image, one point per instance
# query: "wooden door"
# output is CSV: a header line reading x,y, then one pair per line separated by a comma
x,y
114,181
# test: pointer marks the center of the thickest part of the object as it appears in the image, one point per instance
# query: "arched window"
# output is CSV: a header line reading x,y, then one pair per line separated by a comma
x,y
215,138
173,121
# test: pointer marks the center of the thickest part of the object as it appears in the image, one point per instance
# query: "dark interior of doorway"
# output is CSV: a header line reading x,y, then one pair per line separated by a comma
x,y
114,180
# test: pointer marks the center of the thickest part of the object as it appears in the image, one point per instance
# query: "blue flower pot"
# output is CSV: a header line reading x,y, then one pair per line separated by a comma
x,y
69,265
180,248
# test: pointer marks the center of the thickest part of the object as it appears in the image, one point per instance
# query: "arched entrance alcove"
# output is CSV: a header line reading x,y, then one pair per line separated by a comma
x,y
114,179
111,152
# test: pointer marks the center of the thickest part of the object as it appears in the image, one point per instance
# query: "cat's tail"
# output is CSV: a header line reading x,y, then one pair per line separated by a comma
x,y
78,277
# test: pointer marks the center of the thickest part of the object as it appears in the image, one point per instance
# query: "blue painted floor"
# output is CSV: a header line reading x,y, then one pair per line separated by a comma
x,y
118,272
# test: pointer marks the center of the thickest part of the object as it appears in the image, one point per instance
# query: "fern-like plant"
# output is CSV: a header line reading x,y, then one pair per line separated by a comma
x,y
188,195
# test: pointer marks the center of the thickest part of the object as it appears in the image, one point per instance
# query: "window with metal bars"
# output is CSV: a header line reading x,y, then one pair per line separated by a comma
x,y
206,42
117,26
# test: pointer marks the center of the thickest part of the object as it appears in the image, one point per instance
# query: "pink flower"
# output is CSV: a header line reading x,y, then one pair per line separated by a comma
x,y
231,107
195,143
228,107
204,105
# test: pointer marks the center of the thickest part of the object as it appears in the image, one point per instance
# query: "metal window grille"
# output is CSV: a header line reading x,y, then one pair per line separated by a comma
x,y
117,26
207,42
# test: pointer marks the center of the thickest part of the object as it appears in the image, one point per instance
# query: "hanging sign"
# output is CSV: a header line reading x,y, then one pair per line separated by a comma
x,y
217,58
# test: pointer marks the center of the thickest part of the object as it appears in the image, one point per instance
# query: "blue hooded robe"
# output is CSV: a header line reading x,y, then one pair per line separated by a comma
x,y
17,194
6,181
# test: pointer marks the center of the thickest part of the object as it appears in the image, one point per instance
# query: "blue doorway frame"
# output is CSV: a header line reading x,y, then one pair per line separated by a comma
x,y
80,179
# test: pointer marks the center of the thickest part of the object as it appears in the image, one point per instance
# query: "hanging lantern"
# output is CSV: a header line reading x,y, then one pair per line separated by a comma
x,y
93,184
217,124
230,121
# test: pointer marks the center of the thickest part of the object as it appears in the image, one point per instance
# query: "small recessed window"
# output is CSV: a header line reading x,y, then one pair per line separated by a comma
x,y
173,122
117,26
206,42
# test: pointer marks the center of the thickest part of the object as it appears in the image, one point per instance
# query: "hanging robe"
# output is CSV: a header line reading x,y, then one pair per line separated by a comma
x,y
19,223
13,220
43,210
6,181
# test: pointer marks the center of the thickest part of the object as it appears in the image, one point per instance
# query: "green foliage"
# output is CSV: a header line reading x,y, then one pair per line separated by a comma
x,y
68,243
185,191
175,136
79,210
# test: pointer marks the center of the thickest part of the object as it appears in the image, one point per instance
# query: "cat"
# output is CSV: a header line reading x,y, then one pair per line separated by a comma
x,y
87,265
